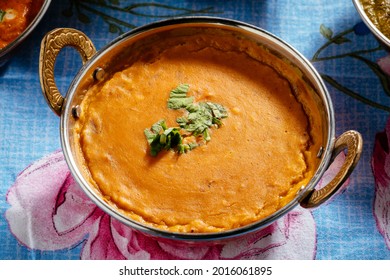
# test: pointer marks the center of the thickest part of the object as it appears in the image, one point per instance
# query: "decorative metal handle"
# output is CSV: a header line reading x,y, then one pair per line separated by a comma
x,y
352,141
51,45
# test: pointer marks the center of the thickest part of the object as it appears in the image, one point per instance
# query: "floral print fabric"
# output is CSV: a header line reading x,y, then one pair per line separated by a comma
x,y
49,211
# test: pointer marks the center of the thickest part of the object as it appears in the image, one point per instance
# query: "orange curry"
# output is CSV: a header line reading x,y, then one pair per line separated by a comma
x,y
254,164
15,16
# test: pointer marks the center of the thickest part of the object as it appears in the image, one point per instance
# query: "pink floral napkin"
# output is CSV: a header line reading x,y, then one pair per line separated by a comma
x,y
381,170
49,211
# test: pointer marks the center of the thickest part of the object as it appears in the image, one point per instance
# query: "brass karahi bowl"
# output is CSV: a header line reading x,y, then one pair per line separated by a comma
x,y
101,65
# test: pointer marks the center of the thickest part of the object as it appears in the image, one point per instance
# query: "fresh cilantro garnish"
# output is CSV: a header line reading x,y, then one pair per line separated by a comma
x,y
200,118
160,137
178,97
2,14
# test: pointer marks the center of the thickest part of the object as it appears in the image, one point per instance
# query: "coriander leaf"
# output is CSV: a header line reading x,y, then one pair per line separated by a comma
x,y
206,135
149,135
178,103
159,126
178,97
161,138
192,107
197,123
2,14
200,120
183,148
155,130
218,110
217,121
155,145
182,121
180,90
175,138
207,114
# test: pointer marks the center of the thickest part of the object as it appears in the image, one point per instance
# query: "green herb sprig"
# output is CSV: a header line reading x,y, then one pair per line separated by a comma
x,y
2,14
199,119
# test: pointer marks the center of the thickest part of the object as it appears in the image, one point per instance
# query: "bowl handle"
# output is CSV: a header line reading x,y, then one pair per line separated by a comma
x,y
352,141
53,42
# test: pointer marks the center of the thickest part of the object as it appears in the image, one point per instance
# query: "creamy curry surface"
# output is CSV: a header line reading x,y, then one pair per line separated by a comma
x,y
254,163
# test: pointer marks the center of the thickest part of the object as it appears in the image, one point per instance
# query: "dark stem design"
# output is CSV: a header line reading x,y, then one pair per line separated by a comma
x,y
85,8
341,38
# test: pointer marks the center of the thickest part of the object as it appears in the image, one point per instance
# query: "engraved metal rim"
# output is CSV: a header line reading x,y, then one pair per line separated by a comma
x,y
377,33
27,31
298,59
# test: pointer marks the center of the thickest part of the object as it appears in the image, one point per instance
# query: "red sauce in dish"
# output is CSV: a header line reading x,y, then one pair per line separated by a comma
x,y
15,16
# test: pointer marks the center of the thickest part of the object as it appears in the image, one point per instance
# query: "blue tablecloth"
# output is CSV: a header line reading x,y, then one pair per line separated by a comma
x,y
35,186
